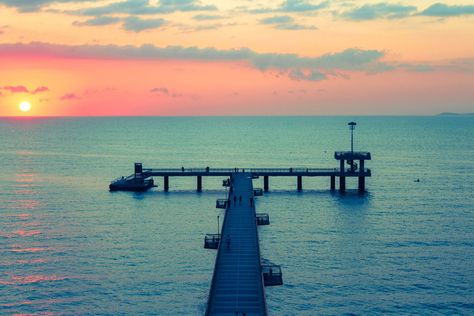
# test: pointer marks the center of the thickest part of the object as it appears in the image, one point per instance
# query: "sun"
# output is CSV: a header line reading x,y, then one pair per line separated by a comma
x,y
25,106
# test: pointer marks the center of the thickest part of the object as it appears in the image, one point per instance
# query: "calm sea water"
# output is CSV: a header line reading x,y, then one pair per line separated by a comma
x,y
68,246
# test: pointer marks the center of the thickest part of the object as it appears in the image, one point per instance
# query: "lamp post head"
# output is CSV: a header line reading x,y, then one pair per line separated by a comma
x,y
352,125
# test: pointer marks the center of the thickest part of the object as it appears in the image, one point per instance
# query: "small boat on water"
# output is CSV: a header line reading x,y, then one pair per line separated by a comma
x,y
131,184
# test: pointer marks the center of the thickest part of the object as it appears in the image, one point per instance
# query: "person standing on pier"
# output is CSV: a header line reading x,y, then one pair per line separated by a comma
x,y
240,199
227,241
235,199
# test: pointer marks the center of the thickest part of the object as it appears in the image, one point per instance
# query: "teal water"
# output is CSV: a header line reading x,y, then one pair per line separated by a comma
x,y
68,246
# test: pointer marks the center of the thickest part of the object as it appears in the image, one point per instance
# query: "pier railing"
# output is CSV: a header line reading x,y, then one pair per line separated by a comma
x,y
291,170
216,262
232,170
300,171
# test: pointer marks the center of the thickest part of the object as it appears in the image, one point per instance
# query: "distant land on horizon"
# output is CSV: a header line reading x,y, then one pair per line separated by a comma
x,y
454,114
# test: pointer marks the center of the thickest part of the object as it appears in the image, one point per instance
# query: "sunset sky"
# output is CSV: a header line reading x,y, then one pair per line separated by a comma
x,y
239,57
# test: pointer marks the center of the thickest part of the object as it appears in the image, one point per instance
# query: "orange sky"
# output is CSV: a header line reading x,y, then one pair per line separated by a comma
x,y
294,57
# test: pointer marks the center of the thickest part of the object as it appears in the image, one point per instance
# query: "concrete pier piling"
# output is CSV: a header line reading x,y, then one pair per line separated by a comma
x,y
361,184
166,183
342,184
199,184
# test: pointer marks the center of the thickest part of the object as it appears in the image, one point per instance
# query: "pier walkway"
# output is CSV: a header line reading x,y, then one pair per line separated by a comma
x,y
237,284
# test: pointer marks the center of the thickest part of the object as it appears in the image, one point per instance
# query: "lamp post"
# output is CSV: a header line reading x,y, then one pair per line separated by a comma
x,y
352,126
218,233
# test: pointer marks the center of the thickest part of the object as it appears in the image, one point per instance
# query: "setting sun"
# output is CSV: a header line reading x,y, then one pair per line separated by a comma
x,y
25,106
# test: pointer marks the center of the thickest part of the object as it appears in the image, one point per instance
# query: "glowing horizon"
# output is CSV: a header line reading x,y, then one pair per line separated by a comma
x,y
294,57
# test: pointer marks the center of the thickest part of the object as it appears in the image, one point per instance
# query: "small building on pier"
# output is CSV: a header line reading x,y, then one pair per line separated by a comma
x,y
354,169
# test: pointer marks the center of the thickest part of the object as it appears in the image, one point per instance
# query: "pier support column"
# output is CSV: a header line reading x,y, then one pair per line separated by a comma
x,y
333,183
342,165
300,183
342,184
166,185
199,183
361,184
265,183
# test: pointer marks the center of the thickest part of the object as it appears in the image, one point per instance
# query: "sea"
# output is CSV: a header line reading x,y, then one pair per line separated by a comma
x,y
68,246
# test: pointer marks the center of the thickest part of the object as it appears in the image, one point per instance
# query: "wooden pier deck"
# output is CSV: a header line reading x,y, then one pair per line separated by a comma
x,y
237,284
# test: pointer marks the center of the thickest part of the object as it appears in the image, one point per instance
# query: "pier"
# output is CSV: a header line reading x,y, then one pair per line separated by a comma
x,y
237,284
240,273
141,179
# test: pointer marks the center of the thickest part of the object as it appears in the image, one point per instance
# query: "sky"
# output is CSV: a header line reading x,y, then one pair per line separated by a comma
x,y
239,57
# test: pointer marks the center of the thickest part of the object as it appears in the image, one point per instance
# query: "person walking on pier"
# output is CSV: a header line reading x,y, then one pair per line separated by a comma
x,y
240,199
235,199
227,241
251,201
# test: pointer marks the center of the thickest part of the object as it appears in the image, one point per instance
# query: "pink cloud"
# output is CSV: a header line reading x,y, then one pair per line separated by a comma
x,y
166,92
69,96
40,89
16,89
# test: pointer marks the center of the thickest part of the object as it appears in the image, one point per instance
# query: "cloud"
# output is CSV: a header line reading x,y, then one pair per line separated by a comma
x,y
69,96
300,91
40,89
143,7
23,89
130,23
188,28
444,10
311,75
417,67
31,5
349,59
135,24
16,89
207,17
379,11
302,6
277,19
293,6
161,90
295,27
285,22
164,91
99,20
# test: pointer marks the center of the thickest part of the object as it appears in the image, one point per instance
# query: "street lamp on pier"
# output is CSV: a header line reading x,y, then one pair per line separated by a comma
x,y
352,126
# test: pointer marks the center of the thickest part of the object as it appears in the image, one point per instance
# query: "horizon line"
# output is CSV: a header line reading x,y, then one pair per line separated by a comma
x,y
289,115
